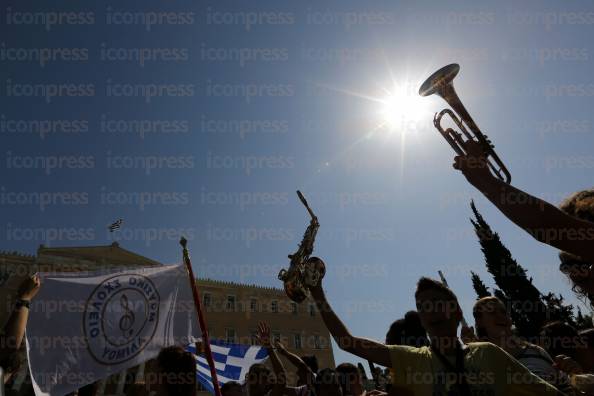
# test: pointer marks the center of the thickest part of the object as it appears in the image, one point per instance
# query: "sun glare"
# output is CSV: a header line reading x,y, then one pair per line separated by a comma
x,y
402,110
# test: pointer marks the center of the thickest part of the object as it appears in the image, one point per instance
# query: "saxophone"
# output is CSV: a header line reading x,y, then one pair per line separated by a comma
x,y
304,271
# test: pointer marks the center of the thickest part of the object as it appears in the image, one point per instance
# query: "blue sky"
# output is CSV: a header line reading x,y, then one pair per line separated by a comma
x,y
234,106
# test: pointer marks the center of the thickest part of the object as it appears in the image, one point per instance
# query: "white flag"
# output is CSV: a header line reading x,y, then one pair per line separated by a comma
x,y
86,326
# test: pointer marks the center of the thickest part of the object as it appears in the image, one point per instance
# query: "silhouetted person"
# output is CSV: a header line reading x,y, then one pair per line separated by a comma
x,y
407,331
327,383
445,366
173,373
231,388
14,329
494,324
569,228
350,379
563,341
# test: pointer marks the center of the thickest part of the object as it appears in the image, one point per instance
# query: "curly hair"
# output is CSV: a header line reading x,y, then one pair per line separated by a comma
x,y
580,205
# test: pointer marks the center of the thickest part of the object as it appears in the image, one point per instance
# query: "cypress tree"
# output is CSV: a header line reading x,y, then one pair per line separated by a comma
x,y
479,287
528,307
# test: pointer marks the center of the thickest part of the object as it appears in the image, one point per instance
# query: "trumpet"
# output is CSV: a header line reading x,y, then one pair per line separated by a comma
x,y
441,83
304,271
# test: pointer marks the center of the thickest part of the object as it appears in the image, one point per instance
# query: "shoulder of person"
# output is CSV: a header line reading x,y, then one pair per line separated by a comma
x,y
532,351
481,347
409,349
533,348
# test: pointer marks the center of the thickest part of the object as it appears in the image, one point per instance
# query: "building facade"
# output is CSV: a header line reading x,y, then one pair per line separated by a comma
x,y
232,310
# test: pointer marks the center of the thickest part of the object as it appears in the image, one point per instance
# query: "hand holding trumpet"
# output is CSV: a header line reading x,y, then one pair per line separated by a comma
x,y
473,164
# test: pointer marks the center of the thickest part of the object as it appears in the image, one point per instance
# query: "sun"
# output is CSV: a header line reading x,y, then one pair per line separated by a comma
x,y
402,110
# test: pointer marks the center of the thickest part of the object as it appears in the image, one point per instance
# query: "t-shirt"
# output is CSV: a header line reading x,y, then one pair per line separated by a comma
x,y
489,371
539,362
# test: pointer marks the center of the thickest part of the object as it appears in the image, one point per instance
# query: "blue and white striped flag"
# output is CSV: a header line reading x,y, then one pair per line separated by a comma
x,y
232,362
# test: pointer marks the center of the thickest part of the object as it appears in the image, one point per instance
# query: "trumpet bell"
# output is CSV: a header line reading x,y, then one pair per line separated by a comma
x,y
441,84
439,80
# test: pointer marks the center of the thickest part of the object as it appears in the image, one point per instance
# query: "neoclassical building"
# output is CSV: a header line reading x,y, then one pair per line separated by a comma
x,y
232,310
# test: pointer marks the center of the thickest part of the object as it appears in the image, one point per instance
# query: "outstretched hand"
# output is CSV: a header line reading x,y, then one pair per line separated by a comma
x,y
264,335
467,334
29,287
567,365
473,165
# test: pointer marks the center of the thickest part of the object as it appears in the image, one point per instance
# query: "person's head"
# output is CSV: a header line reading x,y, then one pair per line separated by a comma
x,y
492,320
559,338
327,384
231,388
173,373
407,331
438,308
259,379
349,378
581,274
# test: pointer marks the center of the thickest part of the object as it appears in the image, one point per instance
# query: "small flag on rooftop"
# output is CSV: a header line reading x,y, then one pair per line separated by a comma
x,y
116,225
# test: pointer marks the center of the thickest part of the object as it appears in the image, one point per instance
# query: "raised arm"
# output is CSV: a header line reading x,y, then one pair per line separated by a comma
x,y
364,348
280,387
14,330
545,222
294,359
277,365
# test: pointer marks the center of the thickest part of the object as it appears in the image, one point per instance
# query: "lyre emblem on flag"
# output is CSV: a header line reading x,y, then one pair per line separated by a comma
x,y
115,225
121,317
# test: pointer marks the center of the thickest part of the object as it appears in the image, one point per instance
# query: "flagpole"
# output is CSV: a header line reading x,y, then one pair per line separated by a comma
x,y
201,318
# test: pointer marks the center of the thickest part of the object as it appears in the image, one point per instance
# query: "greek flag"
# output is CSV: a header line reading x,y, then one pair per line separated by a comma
x,y
232,362
116,225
